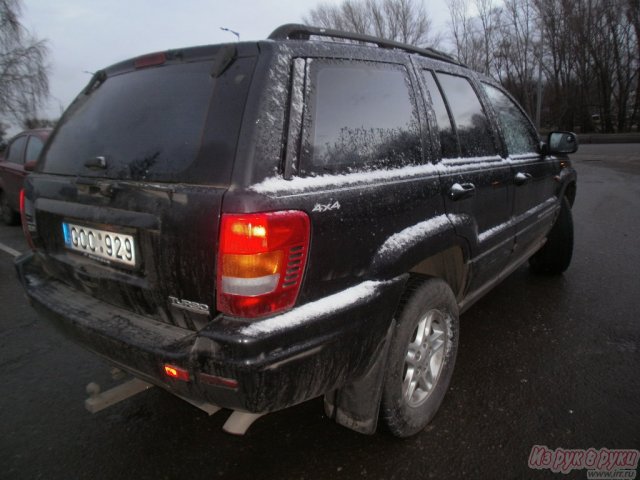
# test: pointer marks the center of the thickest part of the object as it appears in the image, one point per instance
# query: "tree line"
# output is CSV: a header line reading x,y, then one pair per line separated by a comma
x,y
576,62
579,59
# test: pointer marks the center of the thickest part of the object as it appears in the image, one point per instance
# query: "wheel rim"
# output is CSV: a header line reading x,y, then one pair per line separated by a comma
x,y
424,358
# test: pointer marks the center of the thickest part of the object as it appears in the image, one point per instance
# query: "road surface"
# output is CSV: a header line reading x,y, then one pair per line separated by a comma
x,y
542,361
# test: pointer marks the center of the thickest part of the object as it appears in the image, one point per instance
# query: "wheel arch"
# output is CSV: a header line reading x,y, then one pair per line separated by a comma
x,y
448,265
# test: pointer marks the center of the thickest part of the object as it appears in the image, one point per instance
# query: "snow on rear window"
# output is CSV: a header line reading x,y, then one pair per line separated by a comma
x,y
309,311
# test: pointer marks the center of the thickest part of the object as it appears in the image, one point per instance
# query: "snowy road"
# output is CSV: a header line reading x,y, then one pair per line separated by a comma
x,y
542,361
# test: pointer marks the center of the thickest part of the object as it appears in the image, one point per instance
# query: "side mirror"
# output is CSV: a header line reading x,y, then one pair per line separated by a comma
x,y
562,142
3,146
30,166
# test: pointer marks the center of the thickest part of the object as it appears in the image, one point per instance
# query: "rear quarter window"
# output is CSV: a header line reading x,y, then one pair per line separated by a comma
x,y
360,116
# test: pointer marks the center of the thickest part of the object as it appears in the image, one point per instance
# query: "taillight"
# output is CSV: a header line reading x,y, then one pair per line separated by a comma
x,y
261,262
25,223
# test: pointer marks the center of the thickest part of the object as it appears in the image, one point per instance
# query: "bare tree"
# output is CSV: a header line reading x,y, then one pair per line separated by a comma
x,y
588,50
3,132
400,20
489,18
24,81
462,34
633,16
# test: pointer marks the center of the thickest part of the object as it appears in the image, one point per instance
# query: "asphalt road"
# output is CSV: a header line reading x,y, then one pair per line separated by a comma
x,y
542,361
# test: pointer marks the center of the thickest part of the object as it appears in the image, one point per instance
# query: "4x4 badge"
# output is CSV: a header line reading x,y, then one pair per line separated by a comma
x,y
319,207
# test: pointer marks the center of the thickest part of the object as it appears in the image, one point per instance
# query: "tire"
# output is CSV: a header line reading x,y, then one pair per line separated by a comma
x,y
7,214
410,399
555,256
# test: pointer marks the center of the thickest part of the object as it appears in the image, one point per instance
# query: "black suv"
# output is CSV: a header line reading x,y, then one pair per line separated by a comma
x,y
254,225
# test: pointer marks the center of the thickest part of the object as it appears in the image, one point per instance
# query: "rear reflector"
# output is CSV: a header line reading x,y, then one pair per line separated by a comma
x,y
218,381
261,262
176,372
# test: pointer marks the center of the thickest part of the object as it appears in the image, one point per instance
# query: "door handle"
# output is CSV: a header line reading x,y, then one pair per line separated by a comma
x,y
459,191
521,178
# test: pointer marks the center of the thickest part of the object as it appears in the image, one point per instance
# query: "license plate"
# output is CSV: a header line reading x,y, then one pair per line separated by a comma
x,y
100,244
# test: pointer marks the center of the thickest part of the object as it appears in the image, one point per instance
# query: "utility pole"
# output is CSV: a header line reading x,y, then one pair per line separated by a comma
x,y
539,96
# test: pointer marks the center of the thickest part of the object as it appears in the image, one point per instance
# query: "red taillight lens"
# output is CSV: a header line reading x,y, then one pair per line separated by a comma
x,y
25,224
176,372
261,261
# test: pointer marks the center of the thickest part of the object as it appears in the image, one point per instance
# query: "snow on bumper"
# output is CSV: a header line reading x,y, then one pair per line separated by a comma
x,y
276,364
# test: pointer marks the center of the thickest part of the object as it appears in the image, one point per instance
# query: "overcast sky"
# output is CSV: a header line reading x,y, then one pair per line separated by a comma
x,y
86,35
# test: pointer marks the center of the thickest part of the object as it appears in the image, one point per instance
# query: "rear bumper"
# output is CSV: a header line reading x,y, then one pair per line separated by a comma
x,y
277,362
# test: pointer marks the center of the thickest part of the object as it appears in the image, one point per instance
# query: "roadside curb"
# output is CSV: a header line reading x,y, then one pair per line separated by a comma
x,y
588,138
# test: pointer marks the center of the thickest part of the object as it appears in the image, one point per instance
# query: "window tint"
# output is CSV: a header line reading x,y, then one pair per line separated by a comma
x,y
448,140
474,133
33,148
362,116
516,127
16,150
147,124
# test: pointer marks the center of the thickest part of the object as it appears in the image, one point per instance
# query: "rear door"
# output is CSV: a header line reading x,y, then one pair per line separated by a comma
x,y
475,180
361,167
129,191
533,174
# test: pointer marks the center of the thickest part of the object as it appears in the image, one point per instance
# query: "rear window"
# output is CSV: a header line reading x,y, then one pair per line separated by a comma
x,y
149,124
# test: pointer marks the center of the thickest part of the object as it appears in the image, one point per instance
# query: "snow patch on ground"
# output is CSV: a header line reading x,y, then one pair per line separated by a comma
x,y
309,311
412,235
302,184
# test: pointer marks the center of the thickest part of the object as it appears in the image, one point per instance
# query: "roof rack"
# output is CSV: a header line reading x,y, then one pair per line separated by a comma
x,y
293,31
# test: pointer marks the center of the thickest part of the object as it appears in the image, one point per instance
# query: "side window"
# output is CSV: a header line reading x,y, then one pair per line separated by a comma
x,y
16,150
516,127
472,125
448,140
33,148
360,116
